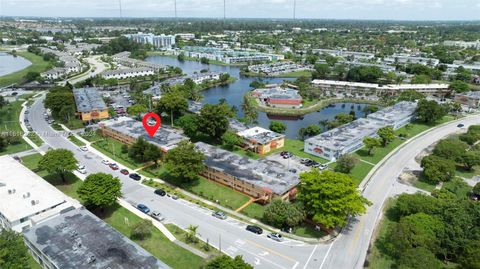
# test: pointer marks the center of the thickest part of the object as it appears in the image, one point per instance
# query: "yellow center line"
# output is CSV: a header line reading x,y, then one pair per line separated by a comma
x,y
272,251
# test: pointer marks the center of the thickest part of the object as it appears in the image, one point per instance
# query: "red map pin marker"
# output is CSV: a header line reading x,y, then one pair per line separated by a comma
x,y
151,129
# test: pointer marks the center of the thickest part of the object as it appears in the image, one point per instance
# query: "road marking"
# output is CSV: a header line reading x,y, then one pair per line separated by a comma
x,y
326,255
295,266
257,261
356,236
310,257
272,251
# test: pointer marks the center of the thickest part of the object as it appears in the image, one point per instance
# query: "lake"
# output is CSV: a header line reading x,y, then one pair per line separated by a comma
x,y
10,64
235,92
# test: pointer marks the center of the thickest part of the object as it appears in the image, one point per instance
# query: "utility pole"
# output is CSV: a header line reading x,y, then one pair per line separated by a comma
x,y
224,11
175,5
120,8
294,9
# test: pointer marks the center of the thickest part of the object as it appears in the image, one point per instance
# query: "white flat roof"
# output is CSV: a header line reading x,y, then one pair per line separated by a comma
x,y
376,86
22,183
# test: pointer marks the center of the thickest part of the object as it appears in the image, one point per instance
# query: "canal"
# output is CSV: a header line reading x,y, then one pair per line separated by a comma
x,y
235,92
10,64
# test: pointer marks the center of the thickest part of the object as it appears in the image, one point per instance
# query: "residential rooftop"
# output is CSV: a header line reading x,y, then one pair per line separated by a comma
x,y
260,135
270,175
78,239
277,93
392,114
88,99
165,137
471,95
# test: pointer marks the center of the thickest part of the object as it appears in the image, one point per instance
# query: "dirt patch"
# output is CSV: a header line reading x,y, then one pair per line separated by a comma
x,y
409,177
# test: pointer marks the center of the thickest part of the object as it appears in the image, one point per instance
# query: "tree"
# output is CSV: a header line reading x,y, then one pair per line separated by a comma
x,y
225,262
13,253
421,79
141,229
371,143
3,102
470,258
459,86
451,149
213,120
370,109
370,74
181,57
409,204
184,161
346,163
330,197
476,189
31,76
310,130
437,169
152,153
3,144
172,103
189,124
280,214
230,140
137,109
100,190
470,159
430,111
191,235
469,138
311,59
410,95
224,77
58,161
386,135
204,60
277,126
321,71
61,102
418,258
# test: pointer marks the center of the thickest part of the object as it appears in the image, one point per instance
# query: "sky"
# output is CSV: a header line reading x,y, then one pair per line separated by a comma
x,y
315,9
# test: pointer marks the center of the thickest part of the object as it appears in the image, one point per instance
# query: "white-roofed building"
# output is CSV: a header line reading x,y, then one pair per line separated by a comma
x,y
27,199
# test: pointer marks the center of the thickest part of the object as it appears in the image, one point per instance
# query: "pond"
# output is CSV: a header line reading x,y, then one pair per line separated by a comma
x,y
235,92
10,64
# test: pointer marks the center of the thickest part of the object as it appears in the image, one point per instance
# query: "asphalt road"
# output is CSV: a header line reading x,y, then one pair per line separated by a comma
x,y
96,65
347,251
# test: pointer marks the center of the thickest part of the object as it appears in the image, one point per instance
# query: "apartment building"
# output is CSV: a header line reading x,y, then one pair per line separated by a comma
x,y
261,179
408,59
470,99
26,199
261,140
463,44
278,97
128,130
186,36
157,41
364,56
79,239
90,104
126,73
71,65
349,138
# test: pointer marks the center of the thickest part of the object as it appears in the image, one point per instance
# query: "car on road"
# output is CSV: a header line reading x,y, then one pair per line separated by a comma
x,y
143,208
113,166
254,229
81,169
124,171
106,162
157,215
160,192
461,125
219,215
275,236
174,197
83,148
135,176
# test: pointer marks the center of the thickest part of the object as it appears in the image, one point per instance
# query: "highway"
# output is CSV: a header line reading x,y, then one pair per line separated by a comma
x,y
347,251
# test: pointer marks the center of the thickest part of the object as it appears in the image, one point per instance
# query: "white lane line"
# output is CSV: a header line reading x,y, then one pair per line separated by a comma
x,y
310,257
326,255
295,266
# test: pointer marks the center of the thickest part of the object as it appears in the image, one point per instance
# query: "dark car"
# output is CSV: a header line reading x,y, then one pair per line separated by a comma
x,y
143,208
254,229
135,176
160,192
124,171
460,125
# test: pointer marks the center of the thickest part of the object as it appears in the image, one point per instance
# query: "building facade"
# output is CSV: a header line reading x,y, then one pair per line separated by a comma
x,y
90,104
261,141
278,97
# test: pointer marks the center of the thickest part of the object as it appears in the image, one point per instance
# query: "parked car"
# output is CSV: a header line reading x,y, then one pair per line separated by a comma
x,y
143,208
135,176
113,166
283,153
219,215
292,170
286,155
157,215
81,169
461,125
275,236
323,166
83,148
304,160
174,197
160,192
105,162
254,229
124,171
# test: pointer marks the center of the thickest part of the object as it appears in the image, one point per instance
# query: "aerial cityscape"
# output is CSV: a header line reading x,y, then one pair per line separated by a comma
x,y
270,134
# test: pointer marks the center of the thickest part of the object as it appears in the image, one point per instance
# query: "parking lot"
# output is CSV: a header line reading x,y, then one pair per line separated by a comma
x,y
291,163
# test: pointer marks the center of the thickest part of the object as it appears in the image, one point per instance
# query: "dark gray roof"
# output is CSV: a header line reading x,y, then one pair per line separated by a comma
x,y
80,240
88,99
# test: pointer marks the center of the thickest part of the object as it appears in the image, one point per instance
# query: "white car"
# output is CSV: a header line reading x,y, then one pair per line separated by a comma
x,y
105,162
81,169
83,148
275,236
157,215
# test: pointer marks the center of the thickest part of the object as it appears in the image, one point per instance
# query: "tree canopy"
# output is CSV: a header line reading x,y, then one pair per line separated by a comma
x,y
13,252
437,169
346,163
225,262
386,135
278,127
213,119
58,161
281,214
430,111
184,161
100,190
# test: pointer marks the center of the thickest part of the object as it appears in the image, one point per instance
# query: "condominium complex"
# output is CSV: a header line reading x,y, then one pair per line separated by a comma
x,y
126,73
463,44
346,54
409,59
279,68
227,55
157,41
70,65
128,130
261,179
335,86
90,104
27,199
278,97
123,59
79,239
261,140
349,138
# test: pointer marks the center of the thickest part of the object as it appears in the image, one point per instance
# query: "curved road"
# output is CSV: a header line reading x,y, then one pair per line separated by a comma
x,y
347,251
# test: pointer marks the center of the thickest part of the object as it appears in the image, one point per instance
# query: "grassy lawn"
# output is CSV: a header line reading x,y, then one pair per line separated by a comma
x,y
158,245
296,147
35,138
308,231
38,65
421,183
74,124
72,182
75,141
461,172
200,245
33,263
9,115
113,149
92,136
296,74
457,186
254,210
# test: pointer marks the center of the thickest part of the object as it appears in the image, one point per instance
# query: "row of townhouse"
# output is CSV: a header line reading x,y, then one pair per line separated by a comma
x,y
70,65
126,73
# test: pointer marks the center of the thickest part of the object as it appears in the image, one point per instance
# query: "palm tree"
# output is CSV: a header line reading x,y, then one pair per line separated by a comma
x,y
191,235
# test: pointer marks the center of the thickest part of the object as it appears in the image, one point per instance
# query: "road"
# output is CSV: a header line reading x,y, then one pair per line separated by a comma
x,y
347,251
96,65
